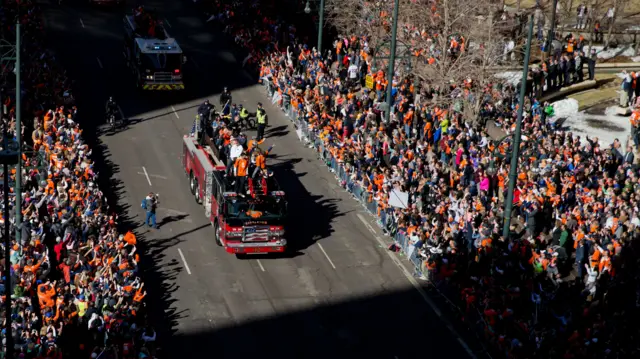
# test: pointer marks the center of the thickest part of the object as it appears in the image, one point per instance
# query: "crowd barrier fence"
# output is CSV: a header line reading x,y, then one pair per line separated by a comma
x,y
385,219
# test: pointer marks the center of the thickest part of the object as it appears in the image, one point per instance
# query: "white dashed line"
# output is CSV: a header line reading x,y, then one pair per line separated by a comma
x,y
326,255
261,266
175,112
99,63
152,175
417,287
146,175
167,22
186,266
82,23
124,55
195,63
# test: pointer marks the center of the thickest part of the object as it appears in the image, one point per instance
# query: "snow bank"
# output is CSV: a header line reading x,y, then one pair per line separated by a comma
x,y
512,77
635,59
610,53
606,127
566,108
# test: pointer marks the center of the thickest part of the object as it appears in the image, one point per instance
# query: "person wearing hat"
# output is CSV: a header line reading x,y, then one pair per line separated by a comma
x,y
261,115
149,204
225,97
235,150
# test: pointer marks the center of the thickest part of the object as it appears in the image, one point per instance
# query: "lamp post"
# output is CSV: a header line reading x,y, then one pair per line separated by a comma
x,y
552,27
513,170
307,10
9,155
8,53
392,60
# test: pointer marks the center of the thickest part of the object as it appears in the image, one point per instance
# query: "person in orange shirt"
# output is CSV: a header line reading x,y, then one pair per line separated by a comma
x,y
240,168
46,294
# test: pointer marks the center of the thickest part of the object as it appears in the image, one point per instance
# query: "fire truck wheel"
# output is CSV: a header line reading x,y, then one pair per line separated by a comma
x,y
197,194
192,184
216,230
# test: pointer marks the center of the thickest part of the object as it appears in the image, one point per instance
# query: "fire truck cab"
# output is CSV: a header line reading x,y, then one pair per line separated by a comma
x,y
244,223
154,58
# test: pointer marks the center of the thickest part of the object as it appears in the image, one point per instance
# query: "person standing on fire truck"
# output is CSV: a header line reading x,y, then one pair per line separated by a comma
x,y
241,168
235,151
260,160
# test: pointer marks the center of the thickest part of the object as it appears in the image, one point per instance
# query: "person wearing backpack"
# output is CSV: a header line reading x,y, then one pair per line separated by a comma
x,y
149,204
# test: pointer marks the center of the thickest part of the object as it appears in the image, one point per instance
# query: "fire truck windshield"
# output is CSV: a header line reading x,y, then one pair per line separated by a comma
x,y
162,61
241,208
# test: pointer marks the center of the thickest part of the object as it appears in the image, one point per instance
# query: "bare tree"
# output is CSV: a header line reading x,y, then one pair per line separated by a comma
x,y
617,8
452,41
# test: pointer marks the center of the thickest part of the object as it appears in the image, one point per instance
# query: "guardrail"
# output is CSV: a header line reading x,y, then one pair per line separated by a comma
x,y
386,218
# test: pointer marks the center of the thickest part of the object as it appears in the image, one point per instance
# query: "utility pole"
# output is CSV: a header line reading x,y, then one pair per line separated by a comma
x,y
552,27
320,26
513,171
18,187
392,61
8,156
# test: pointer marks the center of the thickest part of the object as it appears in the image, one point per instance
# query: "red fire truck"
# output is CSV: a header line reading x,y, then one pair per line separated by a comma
x,y
243,223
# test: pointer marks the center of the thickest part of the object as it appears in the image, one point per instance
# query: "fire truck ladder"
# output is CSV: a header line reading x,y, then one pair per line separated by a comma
x,y
258,188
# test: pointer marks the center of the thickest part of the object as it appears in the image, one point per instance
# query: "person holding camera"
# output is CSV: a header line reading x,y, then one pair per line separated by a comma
x,y
150,204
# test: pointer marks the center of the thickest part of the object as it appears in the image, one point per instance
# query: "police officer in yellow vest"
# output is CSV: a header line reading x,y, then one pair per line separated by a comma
x,y
244,114
261,115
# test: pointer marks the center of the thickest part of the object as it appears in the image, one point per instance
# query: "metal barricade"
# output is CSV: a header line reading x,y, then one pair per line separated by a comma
x,y
310,138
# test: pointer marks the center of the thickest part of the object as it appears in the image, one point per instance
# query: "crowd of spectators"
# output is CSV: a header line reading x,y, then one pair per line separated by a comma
x,y
564,283
74,280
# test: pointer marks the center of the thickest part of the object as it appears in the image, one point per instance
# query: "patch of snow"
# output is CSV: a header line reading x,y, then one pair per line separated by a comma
x,y
565,108
633,28
610,53
512,77
606,127
635,59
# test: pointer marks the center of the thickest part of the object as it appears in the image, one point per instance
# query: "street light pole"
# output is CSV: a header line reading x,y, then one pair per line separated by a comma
x,y
18,187
513,171
552,27
320,26
7,157
392,60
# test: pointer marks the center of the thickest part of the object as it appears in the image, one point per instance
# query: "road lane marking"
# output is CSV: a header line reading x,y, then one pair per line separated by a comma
x,y
124,55
99,62
186,266
146,175
167,22
82,23
152,175
260,264
195,63
326,255
175,112
417,287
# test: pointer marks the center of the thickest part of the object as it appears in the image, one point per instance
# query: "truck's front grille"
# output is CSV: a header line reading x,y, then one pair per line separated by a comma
x,y
256,234
162,77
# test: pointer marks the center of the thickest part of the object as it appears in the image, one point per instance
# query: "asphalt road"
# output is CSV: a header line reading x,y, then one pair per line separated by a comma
x,y
339,294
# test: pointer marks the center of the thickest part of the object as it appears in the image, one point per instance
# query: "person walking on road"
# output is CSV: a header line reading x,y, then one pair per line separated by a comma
x,y
150,204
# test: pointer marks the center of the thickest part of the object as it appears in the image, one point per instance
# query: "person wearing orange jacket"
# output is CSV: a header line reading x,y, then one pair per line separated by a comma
x,y
46,294
240,169
261,161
